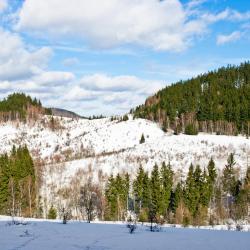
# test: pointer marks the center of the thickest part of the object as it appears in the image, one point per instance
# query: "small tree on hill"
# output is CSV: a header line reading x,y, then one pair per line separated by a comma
x,y
142,140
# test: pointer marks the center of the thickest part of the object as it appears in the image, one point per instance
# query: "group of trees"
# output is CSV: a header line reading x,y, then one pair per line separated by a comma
x,y
216,102
17,183
20,106
205,196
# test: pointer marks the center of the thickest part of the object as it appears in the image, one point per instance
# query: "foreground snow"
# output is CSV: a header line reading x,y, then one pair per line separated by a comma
x,y
38,234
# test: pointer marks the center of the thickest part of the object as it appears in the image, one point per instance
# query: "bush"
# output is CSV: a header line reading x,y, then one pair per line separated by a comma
x,y
52,213
191,130
186,221
125,118
143,216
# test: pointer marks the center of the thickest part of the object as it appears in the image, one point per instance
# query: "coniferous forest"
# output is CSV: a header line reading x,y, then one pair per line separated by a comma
x,y
17,183
19,106
203,197
216,102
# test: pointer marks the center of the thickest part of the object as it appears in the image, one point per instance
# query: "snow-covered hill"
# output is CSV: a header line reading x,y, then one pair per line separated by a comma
x,y
113,146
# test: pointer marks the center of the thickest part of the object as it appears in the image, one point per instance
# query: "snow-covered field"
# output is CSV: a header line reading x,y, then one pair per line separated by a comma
x,y
40,235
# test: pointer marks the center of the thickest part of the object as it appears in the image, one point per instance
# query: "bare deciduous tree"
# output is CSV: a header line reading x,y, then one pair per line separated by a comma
x,y
90,200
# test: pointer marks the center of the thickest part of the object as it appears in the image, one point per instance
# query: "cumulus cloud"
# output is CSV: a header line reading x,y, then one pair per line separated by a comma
x,y
234,36
103,82
26,70
17,62
161,25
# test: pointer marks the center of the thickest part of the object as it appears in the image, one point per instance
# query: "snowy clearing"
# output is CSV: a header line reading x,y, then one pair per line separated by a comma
x,y
38,234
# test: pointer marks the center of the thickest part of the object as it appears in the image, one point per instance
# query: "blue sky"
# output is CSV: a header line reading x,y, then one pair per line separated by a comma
x,y
105,57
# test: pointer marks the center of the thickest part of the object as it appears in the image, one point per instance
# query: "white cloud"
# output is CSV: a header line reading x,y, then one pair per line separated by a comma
x,y
161,25
3,5
123,83
234,36
17,62
53,78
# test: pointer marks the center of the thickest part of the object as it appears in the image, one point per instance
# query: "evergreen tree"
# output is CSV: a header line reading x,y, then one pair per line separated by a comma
x,y
166,186
142,140
155,203
229,179
211,178
52,213
190,190
138,189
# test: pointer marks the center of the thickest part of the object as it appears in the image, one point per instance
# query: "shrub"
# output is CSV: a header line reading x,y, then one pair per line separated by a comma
x,y
125,118
143,216
191,130
52,213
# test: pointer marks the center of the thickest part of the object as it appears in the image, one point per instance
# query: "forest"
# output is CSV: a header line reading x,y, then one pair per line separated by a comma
x,y
204,197
19,106
17,183
215,102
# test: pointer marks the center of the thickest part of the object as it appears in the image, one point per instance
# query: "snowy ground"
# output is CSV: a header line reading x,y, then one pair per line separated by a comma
x,y
42,235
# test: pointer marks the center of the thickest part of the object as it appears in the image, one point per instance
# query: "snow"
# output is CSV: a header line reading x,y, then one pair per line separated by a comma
x,y
42,234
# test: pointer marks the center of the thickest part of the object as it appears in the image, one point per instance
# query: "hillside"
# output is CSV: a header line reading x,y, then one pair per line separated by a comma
x,y
216,102
64,113
69,149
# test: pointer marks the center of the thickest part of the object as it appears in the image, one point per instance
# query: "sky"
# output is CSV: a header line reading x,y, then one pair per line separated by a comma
x,y
105,57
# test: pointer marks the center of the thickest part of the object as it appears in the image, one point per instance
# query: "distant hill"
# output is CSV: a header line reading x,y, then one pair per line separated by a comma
x,y
64,113
218,101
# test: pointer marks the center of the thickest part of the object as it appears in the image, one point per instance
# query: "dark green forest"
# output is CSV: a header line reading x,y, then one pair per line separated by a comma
x,y
204,197
20,106
215,102
17,183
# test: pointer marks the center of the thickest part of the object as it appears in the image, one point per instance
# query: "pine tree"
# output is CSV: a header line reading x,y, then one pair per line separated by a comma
x,y
190,190
52,213
142,140
111,197
138,189
228,178
166,174
155,182
211,178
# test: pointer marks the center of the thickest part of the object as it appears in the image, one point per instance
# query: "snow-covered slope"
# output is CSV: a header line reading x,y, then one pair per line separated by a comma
x,y
113,146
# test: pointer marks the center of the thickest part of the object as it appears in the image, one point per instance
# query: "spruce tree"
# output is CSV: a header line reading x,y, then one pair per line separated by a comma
x,y
166,174
156,196
142,140
190,190
138,189
229,179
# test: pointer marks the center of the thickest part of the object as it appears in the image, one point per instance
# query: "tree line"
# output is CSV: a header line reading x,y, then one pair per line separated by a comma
x,y
204,197
19,106
216,102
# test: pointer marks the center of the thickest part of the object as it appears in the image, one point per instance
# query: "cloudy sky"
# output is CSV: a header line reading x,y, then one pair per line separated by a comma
x,y
105,57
